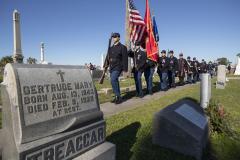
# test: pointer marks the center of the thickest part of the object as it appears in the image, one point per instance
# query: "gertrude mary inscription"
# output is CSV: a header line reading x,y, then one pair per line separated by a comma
x,y
49,96
56,93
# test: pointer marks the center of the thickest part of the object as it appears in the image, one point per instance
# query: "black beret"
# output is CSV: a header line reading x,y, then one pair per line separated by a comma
x,y
181,54
194,58
188,57
163,51
171,51
115,35
137,43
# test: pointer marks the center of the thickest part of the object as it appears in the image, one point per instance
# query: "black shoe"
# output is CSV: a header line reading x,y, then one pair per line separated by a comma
x,y
150,93
113,100
118,100
141,96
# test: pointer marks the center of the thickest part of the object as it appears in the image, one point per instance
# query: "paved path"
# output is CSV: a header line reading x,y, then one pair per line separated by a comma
x,y
110,109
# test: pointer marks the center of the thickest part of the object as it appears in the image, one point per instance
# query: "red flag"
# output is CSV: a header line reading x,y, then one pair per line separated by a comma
x,y
151,44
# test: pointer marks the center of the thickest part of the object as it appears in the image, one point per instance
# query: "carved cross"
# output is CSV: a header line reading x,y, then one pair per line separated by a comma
x,y
61,75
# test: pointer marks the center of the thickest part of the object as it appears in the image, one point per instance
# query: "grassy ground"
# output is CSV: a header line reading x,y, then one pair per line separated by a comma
x,y
131,131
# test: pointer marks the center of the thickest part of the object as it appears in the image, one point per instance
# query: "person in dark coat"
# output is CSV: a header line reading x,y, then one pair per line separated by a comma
x,y
139,65
163,67
148,74
182,69
203,66
118,63
173,68
190,70
195,70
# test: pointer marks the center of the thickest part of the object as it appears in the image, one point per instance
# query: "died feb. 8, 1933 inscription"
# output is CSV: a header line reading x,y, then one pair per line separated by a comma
x,y
54,93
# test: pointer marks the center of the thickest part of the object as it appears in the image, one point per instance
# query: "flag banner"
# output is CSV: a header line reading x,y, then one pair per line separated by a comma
x,y
150,43
136,24
155,30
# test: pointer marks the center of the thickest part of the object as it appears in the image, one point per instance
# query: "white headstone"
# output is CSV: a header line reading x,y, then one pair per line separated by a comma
x,y
221,77
205,89
237,71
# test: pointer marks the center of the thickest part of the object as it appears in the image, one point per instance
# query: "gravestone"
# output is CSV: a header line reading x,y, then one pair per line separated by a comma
x,y
52,112
221,77
237,70
182,127
205,89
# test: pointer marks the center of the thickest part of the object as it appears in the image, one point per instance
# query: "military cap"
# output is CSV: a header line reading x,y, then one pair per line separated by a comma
x,y
181,54
163,51
171,51
194,58
202,59
137,43
188,57
114,35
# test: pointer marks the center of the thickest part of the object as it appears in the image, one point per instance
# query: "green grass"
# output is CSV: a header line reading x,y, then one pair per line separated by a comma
x,y
131,130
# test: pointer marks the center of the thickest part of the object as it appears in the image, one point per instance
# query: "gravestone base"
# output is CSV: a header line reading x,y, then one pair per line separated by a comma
x,y
181,127
105,151
63,145
220,85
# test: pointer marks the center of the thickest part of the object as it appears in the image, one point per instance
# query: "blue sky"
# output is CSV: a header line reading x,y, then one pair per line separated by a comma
x,y
77,31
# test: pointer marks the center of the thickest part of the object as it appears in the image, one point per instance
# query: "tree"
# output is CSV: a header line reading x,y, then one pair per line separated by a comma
x,y
6,59
238,54
31,60
223,61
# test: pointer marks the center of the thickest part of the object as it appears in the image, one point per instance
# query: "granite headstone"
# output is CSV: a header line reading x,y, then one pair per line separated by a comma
x,y
182,127
221,77
51,112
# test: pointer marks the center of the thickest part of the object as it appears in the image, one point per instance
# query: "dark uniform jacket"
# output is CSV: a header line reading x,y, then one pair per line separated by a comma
x,y
182,67
163,64
196,66
203,67
139,60
190,66
173,64
118,58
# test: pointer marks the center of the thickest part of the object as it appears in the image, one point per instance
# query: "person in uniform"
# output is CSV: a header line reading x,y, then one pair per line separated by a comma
x,y
173,68
190,70
203,66
195,70
118,63
210,68
182,68
163,67
148,74
139,65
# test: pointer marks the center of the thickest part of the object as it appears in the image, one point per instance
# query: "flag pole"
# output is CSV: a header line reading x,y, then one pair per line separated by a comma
x,y
127,37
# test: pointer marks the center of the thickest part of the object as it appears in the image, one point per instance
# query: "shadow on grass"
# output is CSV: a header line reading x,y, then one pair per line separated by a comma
x,y
124,140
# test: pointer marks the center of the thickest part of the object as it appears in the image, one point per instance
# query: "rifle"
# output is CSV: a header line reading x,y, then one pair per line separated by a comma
x,y
106,62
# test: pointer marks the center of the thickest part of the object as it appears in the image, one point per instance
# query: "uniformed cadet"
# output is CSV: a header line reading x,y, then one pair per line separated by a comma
x,y
203,66
139,65
182,68
118,62
196,68
163,66
190,70
173,68
210,68
148,74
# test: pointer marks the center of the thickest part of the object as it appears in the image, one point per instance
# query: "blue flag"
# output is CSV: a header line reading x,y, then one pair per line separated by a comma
x,y
155,30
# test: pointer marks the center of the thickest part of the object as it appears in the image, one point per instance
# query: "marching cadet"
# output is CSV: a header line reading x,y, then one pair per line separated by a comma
x,y
210,68
203,66
173,68
163,66
148,74
190,70
139,65
195,65
182,68
118,62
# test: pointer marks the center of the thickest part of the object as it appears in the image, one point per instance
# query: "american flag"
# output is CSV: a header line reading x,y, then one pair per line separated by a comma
x,y
136,23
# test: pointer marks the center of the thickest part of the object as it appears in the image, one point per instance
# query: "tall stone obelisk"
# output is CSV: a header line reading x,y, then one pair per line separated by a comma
x,y
42,60
42,52
17,52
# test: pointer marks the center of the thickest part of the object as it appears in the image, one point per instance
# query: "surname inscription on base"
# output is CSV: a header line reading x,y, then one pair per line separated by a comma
x,y
57,93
